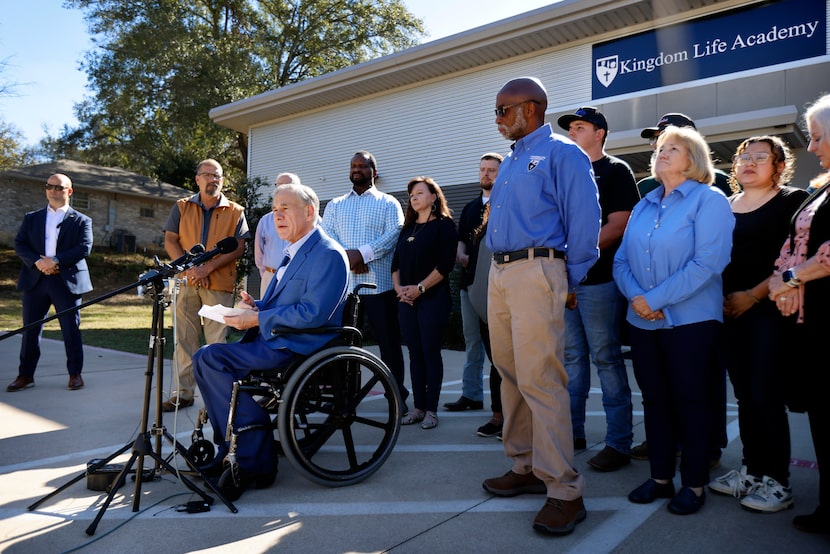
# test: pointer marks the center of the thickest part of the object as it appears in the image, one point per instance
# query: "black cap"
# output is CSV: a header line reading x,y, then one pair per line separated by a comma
x,y
675,119
585,113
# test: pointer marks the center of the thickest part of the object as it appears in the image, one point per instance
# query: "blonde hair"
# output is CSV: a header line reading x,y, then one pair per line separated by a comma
x,y
819,114
701,168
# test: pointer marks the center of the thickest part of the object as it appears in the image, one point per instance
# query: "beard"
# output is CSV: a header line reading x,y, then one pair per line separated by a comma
x,y
517,130
486,186
360,180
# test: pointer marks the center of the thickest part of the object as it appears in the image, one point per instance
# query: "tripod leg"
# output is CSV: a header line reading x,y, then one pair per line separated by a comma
x,y
116,484
93,468
183,453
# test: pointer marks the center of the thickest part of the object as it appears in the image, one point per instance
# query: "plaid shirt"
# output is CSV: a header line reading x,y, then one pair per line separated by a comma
x,y
371,223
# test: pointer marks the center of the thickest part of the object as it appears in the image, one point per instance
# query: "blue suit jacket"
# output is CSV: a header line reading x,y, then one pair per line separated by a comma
x,y
74,245
310,294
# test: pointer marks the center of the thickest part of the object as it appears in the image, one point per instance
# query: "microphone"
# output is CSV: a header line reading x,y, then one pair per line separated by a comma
x,y
184,258
224,246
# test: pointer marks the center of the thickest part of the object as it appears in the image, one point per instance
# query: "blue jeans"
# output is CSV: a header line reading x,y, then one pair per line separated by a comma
x,y
592,332
472,377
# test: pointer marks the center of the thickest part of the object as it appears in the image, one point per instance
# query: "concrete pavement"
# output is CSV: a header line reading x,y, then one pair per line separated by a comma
x,y
426,498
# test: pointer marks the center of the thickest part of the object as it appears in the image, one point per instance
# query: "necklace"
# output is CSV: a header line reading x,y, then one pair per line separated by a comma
x,y
416,229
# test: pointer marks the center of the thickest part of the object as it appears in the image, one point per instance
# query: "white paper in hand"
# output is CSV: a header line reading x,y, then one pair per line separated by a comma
x,y
218,312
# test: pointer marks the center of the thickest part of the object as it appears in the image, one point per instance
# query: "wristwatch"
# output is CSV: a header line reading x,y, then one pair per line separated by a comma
x,y
421,288
790,279
56,261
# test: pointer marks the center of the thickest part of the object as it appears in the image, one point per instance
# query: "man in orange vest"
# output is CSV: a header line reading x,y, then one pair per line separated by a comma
x,y
204,218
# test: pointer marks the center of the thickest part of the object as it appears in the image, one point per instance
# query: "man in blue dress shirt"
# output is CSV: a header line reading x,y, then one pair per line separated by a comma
x,y
544,232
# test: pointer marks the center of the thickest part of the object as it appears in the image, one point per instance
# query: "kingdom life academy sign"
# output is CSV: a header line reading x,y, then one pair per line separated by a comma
x,y
748,38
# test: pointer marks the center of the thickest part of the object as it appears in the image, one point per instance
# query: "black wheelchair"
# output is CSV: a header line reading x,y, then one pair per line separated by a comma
x,y
336,413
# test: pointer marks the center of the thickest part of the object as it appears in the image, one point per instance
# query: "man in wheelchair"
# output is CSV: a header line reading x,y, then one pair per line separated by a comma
x,y
308,291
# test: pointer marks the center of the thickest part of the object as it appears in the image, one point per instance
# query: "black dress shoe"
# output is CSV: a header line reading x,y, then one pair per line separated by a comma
x,y
687,502
464,403
650,491
232,484
609,459
580,444
817,522
75,382
20,383
213,470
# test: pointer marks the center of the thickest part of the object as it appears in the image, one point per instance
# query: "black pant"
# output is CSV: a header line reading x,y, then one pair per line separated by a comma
x,y
753,356
380,311
675,369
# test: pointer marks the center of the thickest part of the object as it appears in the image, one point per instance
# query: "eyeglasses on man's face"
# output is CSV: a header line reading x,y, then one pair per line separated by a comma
x,y
501,111
212,176
56,187
757,159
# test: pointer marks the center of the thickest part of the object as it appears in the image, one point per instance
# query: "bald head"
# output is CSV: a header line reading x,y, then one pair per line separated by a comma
x,y
58,191
520,107
529,88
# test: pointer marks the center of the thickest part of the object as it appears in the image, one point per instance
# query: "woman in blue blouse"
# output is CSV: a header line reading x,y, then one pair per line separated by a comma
x,y
669,266
421,265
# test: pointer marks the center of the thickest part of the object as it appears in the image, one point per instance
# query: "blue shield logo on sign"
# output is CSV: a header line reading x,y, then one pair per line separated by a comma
x,y
606,70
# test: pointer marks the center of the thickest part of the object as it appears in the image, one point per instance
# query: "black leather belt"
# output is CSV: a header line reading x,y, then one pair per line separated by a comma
x,y
507,257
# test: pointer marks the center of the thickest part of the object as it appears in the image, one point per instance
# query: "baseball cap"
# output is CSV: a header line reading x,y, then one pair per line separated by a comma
x,y
675,119
585,113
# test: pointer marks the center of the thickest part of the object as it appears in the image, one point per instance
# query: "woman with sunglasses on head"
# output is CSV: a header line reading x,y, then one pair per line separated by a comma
x,y
762,204
800,288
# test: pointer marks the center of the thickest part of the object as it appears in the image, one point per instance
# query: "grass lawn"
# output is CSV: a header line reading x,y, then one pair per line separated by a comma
x,y
121,322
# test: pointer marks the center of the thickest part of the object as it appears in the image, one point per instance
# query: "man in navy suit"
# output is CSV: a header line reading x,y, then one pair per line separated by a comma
x,y
53,244
307,291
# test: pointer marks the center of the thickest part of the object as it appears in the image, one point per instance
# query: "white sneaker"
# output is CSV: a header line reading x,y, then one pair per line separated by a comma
x,y
768,496
734,483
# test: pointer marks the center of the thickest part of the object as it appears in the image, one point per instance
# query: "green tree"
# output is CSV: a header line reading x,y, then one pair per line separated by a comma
x,y
160,66
12,151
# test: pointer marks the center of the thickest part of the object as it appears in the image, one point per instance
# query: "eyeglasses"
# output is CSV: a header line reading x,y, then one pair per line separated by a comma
x,y
502,110
757,159
56,187
216,176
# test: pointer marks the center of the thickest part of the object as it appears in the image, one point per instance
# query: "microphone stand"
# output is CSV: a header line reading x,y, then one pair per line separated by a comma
x,y
153,282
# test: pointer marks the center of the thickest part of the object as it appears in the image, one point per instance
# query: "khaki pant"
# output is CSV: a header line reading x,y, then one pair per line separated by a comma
x,y
189,327
526,303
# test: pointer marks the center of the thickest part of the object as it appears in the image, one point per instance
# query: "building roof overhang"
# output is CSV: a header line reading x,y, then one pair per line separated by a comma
x,y
562,24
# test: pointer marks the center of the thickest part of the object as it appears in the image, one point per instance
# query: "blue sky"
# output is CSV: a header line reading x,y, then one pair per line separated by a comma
x,y
42,45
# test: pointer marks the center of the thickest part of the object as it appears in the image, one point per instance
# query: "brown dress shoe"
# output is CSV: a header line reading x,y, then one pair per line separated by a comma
x,y
20,383
609,459
559,517
640,452
513,484
75,382
176,402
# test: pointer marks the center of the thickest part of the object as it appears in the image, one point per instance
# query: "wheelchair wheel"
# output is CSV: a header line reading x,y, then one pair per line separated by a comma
x,y
340,416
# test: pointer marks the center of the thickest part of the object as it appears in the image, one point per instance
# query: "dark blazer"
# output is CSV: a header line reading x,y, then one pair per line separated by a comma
x,y
310,294
74,245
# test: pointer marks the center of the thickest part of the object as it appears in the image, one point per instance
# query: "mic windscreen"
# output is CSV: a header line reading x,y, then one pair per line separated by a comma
x,y
227,245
